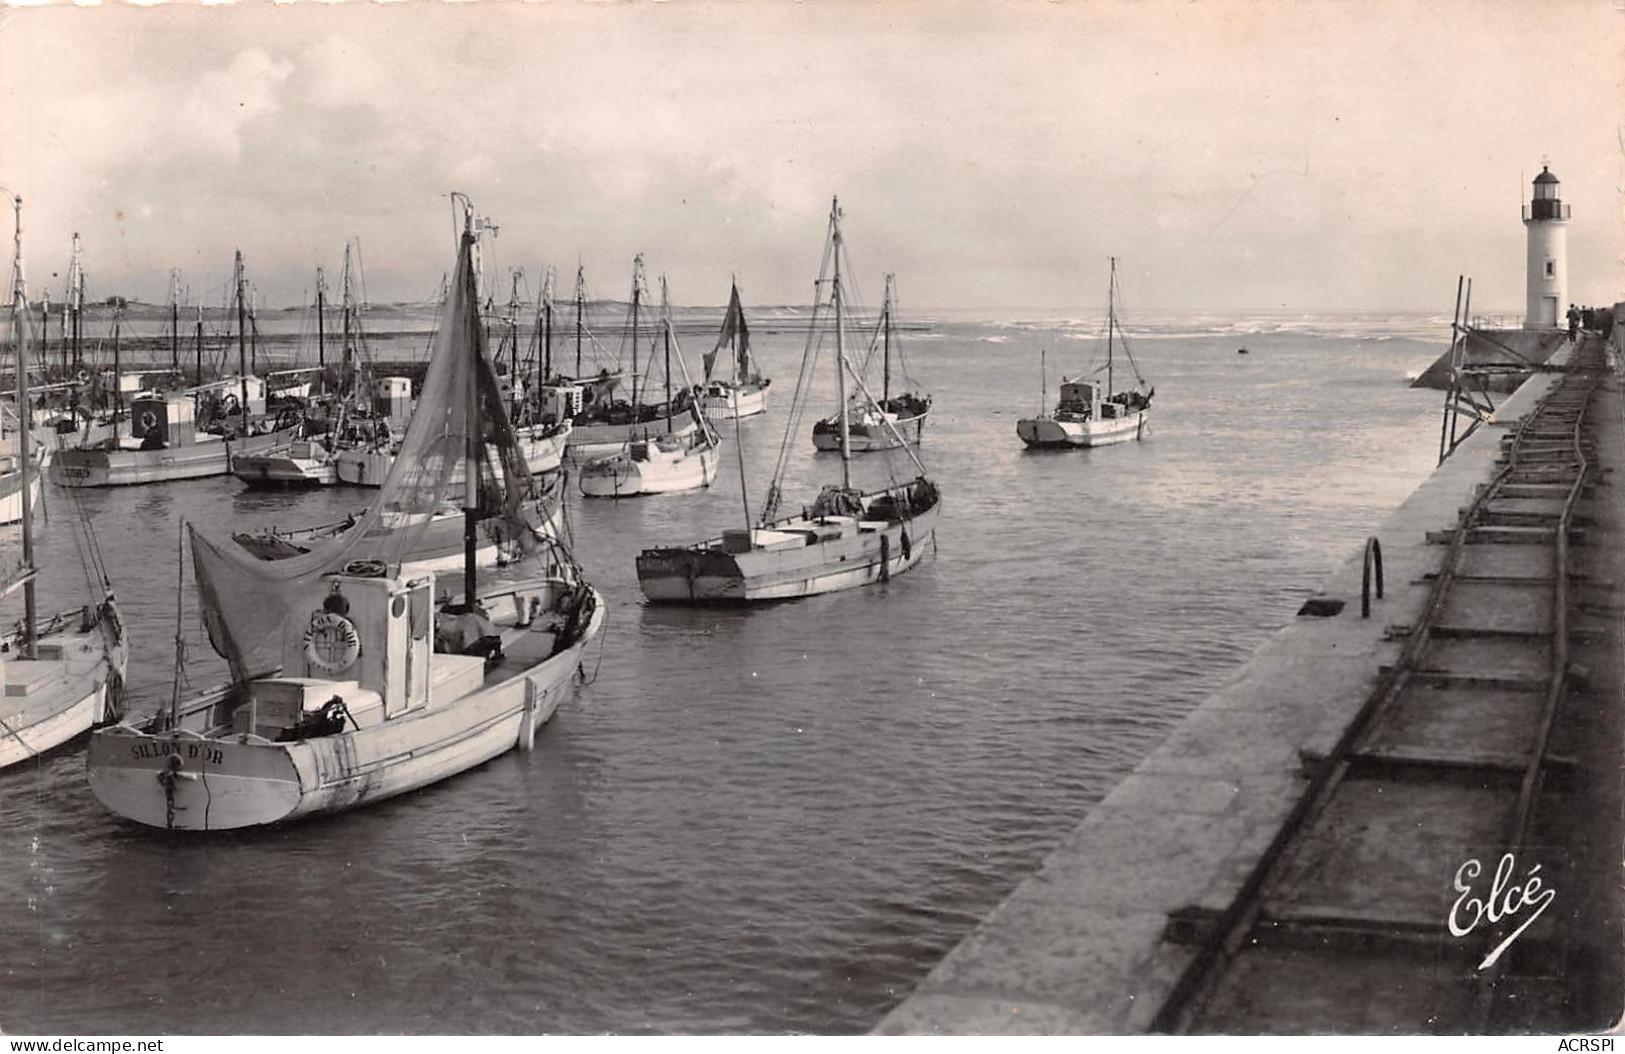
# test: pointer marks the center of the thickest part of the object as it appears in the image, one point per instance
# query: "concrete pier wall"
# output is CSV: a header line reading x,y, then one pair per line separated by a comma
x,y
1079,948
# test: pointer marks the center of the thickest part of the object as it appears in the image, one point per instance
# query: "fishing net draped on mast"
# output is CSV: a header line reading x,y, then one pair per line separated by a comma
x,y
245,599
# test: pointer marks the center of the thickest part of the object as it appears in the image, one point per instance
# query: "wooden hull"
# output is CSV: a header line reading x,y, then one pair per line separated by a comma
x,y
626,476
11,495
592,441
281,471
71,688
121,468
868,552
360,467
1048,432
542,446
439,548
232,782
744,401
866,438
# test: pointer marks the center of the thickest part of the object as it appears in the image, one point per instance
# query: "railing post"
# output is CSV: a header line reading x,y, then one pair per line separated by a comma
x,y
1373,551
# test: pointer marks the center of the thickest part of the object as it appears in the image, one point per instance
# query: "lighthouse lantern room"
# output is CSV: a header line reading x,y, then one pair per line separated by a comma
x,y
1545,218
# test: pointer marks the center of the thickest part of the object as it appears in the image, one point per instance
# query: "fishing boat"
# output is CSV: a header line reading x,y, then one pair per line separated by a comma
x,y
847,537
659,464
740,391
891,420
354,682
340,418
64,674
602,424
187,435
438,543
1089,413
13,479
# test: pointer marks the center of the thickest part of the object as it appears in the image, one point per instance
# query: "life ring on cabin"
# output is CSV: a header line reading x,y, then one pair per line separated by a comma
x,y
229,403
331,642
366,568
149,420
82,376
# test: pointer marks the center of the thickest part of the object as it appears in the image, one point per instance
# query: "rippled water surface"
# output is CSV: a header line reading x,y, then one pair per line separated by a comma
x,y
749,821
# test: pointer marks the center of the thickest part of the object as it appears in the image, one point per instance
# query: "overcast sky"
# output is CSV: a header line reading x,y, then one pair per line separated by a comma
x,y
1235,156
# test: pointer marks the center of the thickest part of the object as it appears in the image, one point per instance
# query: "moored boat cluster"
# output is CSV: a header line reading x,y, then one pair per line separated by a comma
x,y
445,623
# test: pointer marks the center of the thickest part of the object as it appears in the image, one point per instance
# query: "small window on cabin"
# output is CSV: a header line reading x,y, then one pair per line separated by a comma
x,y
1551,268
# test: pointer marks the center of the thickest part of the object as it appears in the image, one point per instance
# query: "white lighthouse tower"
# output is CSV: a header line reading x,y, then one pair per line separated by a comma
x,y
1546,218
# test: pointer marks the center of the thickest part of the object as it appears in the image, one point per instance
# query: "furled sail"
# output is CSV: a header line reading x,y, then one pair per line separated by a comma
x,y
460,412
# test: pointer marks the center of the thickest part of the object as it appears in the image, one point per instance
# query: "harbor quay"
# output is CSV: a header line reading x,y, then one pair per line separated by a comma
x,y
1402,815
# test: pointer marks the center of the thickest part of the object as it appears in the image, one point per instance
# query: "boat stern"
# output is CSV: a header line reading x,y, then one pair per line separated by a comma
x,y
1046,432
688,575
182,781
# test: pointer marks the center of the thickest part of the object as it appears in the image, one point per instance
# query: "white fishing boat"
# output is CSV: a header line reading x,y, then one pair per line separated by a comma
x,y
12,476
662,464
1090,413
341,421
878,424
604,424
302,463
172,436
847,537
739,390
354,682
666,463
437,538
62,675
12,479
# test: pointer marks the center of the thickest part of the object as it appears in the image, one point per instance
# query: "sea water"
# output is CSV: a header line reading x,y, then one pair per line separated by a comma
x,y
765,820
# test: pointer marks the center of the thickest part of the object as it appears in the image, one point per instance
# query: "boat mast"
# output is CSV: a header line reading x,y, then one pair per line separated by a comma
x,y
118,374
885,337
45,337
321,325
739,439
25,438
471,448
348,297
513,345
199,344
637,282
1111,324
547,326
175,319
242,341
581,307
840,343
76,294
665,310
